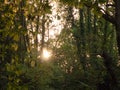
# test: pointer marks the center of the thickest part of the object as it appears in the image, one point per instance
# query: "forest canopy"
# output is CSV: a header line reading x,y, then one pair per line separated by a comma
x,y
59,44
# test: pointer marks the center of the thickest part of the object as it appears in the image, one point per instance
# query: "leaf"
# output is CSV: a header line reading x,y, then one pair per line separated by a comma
x,y
96,11
18,73
32,63
75,31
16,37
47,9
81,5
15,46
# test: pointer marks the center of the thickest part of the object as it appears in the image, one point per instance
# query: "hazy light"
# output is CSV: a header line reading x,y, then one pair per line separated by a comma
x,y
99,56
87,55
46,54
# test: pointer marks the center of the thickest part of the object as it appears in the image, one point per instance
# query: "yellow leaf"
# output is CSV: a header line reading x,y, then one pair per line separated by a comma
x,y
15,46
16,37
32,63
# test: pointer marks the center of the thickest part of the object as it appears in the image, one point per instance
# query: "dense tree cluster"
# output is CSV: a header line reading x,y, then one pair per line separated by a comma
x,y
83,36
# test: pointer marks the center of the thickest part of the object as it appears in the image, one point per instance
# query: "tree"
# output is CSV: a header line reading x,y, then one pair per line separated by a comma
x,y
109,10
85,52
8,40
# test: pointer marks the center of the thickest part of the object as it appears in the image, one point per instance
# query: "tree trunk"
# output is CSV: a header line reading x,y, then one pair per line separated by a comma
x,y
22,46
43,33
36,34
117,17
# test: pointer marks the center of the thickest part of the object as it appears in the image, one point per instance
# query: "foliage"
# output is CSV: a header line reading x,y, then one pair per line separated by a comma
x,y
85,54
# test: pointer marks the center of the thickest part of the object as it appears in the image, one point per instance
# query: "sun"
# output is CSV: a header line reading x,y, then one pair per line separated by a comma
x,y
46,54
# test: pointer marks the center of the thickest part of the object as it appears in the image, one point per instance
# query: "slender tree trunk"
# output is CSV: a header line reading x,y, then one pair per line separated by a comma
x,y
22,48
43,33
37,28
81,43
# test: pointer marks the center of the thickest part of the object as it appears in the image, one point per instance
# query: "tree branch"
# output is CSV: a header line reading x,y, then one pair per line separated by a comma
x,y
108,5
109,18
104,13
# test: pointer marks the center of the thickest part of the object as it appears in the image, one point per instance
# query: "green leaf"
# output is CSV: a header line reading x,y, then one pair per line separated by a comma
x,y
16,37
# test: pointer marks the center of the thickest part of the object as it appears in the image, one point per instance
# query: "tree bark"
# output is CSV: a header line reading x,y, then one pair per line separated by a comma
x,y
43,33
37,29
22,48
117,18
